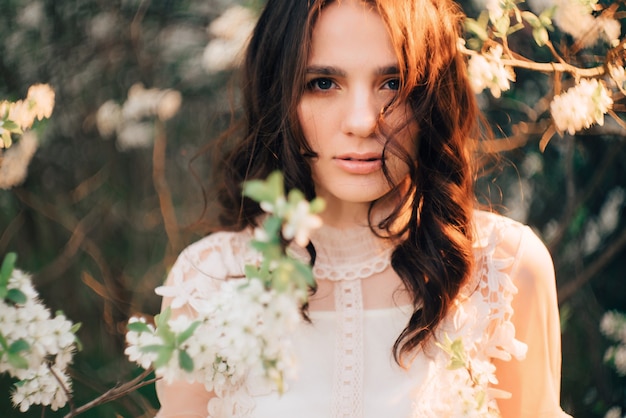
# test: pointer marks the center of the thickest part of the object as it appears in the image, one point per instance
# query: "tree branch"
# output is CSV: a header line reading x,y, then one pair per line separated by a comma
x,y
570,288
115,393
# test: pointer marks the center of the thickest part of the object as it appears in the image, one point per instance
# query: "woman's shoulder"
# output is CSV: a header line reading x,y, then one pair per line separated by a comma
x,y
203,266
507,239
219,255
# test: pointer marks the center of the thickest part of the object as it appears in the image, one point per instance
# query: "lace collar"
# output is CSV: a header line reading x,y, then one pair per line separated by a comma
x,y
347,254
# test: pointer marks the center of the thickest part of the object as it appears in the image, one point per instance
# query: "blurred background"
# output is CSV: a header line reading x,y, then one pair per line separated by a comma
x,y
113,192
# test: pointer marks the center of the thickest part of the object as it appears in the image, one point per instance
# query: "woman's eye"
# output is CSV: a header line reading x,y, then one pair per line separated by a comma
x,y
393,84
320,84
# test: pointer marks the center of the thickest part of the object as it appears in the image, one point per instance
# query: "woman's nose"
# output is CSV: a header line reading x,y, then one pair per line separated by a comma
x,y
361,116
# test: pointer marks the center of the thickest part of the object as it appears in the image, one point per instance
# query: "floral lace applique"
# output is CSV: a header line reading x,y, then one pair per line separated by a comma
x,y
480,326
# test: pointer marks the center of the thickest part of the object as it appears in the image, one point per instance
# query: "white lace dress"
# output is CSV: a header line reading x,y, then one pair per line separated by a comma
x,y
345,363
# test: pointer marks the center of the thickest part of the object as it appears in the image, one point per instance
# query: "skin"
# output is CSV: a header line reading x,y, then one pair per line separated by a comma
x,y
352,74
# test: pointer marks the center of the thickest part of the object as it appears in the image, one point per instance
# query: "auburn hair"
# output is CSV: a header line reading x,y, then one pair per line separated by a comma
x,y
434,256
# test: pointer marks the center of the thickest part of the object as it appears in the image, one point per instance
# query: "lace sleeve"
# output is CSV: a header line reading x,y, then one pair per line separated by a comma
x,y
535,380
199,270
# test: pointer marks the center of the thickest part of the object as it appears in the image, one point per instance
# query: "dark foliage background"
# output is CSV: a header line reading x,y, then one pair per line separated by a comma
x,y
99,227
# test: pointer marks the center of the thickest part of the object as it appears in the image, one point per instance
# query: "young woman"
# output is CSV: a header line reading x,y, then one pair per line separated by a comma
x,y
367,104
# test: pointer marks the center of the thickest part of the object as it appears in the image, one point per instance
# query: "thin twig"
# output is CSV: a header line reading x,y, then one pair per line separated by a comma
x,y
570,288
163,191
79,233
590,188
70,399
544,67
14,226
617,119
115,393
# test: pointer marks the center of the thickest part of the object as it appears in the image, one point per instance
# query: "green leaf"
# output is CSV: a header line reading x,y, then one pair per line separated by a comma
x,y
304,271
317,205
282,275
268,190
295,196
8,264
502,25
252,272
547,15
6,138
163,328
540,35
272,226
515,28
17,346
153,348
472,26
185,361
164,354
184,336
456,364
138,327
257,190
16,296
275,183
532,19
11,126
75,327
3,342
17,361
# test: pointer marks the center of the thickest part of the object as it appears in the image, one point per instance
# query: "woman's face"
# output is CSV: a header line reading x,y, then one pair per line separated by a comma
x,y
352,74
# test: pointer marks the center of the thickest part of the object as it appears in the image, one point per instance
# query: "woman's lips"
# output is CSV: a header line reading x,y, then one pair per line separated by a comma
x,y
359,163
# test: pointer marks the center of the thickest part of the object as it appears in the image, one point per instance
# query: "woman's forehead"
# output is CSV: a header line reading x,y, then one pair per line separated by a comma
x,y
351,32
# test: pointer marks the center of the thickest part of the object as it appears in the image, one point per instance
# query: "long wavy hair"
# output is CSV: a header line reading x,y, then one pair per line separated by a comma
x,y
434,255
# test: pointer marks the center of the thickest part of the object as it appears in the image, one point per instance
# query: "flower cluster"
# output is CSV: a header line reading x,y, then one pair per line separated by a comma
x,y
241,330
587,22
129,121
470,381
14,161
581,106
613,326
238,334
35,347
230,34
15,117
575,18
487,71
614,412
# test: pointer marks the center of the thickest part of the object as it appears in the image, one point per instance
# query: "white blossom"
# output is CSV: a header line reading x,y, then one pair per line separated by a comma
x,y
41,387
108,118
495,9
575,18
614,412
49,343
243,331
487,71
38,104
14,161
581,106
130,120
299,223
135,135
231,32
613,325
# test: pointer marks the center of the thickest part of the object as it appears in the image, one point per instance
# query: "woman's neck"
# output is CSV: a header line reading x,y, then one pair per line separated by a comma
x,y
341,214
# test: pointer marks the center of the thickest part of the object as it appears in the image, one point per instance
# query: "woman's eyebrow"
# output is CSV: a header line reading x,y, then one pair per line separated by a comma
x,y
335,71
388,70
325,70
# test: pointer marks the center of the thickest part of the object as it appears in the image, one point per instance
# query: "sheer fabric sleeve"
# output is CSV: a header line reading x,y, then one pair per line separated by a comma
x,y
535,380
199,270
